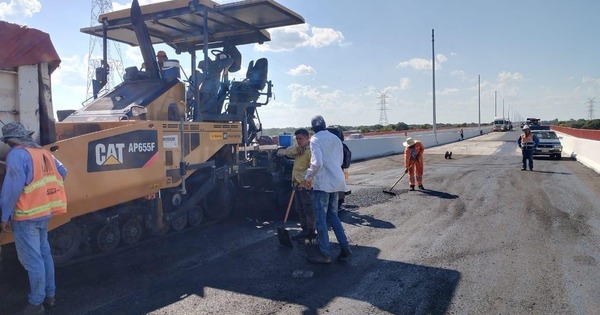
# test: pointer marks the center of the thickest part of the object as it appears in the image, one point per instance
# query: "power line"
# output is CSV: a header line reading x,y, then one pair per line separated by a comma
x,y
383,120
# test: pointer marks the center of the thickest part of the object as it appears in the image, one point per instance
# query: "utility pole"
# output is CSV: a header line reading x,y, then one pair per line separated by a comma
x,y
433,69
591,108
495,104
479,101
383,120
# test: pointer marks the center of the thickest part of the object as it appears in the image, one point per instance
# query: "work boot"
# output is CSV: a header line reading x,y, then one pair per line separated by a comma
x,y
32,309
344,254
421,187
412,187
446,155
523,169
49,302
450,155
319,258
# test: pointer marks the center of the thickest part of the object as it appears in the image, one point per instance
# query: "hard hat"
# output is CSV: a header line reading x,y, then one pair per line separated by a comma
x,y
526,127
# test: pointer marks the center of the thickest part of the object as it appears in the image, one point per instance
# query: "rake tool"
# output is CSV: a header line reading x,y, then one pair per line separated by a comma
x,y
389,192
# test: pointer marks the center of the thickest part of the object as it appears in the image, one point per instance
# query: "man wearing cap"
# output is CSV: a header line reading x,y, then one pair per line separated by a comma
x,y
328,180
161,57
32,191
527,142
303,200
413,162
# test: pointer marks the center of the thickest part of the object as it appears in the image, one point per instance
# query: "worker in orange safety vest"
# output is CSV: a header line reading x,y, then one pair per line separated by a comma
x,y
413,162
32,191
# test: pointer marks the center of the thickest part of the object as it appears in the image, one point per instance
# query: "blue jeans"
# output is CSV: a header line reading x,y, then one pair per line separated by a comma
x,y
326,208
33,250
528,156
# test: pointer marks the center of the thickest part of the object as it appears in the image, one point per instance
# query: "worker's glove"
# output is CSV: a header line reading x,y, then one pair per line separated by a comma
x,y
406,171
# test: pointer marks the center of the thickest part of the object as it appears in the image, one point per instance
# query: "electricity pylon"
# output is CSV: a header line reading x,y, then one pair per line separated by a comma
x,y
591,108
383,120
115,65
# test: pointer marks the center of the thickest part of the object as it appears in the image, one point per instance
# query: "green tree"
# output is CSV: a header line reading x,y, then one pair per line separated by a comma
x,y
401,126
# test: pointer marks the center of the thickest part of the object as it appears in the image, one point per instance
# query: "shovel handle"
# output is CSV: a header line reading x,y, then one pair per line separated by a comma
x,y
287,212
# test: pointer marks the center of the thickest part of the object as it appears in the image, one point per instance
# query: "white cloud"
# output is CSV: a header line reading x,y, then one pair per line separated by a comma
x,y
302,70
509,83
296,36
441,58
417,64
324,37
448,91
508,76
593,81
404,83
423,64
18,8
72,71
116,6
316,95
458,73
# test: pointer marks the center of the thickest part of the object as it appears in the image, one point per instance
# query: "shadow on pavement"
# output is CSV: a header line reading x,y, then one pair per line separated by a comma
x,y
355,218
439,194
205,269
389,286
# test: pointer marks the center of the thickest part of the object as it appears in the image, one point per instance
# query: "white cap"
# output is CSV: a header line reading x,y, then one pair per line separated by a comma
x,y
526,127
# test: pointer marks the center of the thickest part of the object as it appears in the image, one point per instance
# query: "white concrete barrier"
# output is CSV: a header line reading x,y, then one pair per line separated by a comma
x,y
585,151
384,145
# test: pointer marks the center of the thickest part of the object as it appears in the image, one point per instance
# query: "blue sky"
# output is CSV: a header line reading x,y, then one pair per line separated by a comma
x,y
541,57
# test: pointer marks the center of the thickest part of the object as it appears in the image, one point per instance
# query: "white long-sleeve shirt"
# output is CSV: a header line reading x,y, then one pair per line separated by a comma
x,y
326,159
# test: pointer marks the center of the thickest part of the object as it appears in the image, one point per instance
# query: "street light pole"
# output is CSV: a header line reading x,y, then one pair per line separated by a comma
x,y
479,101
433,69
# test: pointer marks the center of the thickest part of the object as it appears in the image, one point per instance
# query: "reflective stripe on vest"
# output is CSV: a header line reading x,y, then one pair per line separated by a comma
x,y
45,194
527,142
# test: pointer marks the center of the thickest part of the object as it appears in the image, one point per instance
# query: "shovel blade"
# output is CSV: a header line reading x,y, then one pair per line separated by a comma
x,y
389,192
284,237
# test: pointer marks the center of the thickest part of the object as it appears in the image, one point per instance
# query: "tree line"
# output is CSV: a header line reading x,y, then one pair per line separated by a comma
x,y
401,126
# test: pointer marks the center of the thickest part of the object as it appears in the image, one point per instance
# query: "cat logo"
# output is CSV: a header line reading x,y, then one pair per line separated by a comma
x,y
130,150
109,154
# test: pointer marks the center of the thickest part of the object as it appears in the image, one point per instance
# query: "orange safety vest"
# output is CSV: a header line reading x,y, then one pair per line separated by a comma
x,y
527,142
45,194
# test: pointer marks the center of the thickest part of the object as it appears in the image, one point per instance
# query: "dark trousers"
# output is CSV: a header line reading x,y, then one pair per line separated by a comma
x,y
304,206
528,156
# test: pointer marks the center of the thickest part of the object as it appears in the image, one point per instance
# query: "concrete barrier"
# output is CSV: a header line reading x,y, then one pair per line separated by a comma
x,y
585,151
385,145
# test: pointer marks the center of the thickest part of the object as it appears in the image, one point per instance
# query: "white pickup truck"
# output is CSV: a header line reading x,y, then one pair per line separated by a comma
x,y
549,143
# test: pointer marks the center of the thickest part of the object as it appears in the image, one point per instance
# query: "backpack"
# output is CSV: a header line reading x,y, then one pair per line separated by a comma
x,y
347,156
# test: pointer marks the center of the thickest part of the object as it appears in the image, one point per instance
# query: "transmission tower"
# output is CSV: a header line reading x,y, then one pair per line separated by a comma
x,y
383,120
591,108
115,65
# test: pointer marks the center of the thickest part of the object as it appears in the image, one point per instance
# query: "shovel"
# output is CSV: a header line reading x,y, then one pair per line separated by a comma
x,y
389,192
282,233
